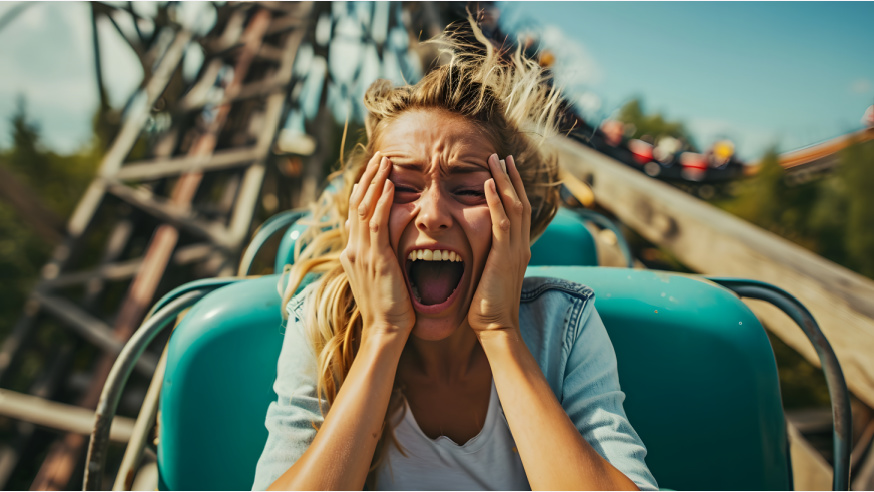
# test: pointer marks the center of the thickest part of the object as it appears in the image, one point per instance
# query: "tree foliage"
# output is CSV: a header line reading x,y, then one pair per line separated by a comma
x,y
832,216
58,181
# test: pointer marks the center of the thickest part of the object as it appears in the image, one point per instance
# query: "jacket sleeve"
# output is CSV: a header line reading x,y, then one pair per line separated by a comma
x,y
593,400
292,418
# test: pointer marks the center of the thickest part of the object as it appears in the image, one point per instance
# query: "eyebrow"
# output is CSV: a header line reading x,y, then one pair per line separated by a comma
x,y
461,168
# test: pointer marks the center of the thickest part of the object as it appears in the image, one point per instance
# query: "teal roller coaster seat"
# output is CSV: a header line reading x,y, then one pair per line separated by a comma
x,y
695,364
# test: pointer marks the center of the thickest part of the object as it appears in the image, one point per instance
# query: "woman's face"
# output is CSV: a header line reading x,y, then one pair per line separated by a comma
x,y
439,169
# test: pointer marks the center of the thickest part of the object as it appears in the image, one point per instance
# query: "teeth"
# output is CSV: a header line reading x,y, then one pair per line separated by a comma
x,y
434,255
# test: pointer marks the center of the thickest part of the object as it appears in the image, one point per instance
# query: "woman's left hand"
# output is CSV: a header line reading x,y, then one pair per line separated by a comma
x,y
495,304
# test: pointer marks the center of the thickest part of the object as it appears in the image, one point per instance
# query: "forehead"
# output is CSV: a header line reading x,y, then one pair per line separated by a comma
x,y
433,132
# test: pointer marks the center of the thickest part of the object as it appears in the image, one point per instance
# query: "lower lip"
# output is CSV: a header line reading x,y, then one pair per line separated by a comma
x,y
435,308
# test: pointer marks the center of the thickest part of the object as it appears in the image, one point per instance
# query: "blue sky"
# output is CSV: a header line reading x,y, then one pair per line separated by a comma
x,y
762,73
784,73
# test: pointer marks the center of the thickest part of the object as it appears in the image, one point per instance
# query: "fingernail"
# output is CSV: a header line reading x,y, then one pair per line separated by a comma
x,y
503,165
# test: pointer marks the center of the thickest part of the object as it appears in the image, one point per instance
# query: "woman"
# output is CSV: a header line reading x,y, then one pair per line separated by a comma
x,y
421,358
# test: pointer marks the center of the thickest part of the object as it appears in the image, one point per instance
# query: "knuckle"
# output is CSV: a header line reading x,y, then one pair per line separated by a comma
x,y
348,255
504,224
374,226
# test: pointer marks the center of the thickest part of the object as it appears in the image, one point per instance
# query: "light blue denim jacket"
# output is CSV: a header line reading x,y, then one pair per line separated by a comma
x,y
559,325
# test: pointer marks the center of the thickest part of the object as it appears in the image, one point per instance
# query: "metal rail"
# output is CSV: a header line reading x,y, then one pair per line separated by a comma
x,y
278,223
834,376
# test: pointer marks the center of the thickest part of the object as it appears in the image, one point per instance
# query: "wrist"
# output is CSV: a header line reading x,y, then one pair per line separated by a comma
x,y
500,339
382,338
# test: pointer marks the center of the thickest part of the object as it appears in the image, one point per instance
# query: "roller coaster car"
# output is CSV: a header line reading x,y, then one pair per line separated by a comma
x,y
694,362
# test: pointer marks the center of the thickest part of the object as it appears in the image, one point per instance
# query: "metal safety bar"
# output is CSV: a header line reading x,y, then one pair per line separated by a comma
x,y
834,376
278,223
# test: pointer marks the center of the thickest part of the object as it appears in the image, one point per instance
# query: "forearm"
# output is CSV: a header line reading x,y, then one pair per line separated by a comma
x,y
554,454
340,455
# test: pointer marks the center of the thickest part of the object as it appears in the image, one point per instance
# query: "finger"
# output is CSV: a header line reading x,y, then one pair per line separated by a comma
x,y
500,221
352,225
369,172
374,190
516,178
511,203
379,220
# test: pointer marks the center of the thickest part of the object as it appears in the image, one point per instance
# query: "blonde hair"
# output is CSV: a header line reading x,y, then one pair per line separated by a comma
x,y
506,95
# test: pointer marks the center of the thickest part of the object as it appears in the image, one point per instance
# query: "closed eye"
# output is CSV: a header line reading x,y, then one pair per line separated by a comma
x,y
471,196
471,192
405,194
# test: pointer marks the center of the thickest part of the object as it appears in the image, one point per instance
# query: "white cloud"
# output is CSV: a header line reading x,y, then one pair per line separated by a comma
x,y
48,59
574,67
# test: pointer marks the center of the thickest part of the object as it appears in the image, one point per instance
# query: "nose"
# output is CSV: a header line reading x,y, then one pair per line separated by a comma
x,y
433,214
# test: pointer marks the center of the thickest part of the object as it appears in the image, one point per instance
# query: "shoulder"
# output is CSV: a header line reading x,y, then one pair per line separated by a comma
x,y
555,303
535,287
553,314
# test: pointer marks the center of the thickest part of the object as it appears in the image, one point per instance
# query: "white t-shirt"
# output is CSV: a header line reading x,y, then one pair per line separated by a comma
x,y
488,461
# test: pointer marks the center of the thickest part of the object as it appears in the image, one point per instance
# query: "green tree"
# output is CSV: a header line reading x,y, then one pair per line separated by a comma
x,y
58,182
857,173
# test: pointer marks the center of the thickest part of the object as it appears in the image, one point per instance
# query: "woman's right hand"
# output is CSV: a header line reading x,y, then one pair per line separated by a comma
x,y
368,259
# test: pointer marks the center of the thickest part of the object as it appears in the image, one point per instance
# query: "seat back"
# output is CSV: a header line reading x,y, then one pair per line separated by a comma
x,y
221,363
696,366
699,376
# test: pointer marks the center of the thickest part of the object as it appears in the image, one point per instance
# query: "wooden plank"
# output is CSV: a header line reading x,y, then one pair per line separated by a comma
x,y
167,211
90,328
59,416
126,269
713,242
130,132
163,167
810,471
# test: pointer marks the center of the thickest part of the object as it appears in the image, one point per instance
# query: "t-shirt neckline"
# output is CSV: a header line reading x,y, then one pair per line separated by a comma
x,y
473,444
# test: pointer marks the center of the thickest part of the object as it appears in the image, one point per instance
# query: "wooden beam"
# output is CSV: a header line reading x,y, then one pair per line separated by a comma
x,y
130,132
713,242
58,416
810,471
163,167
167,211
90,328
126,269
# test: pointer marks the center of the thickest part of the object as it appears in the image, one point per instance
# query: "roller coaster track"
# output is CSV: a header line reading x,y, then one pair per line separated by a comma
x,y
822,156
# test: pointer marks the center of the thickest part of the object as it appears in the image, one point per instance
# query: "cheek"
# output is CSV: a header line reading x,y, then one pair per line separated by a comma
x,y
478,223
399,218
478,219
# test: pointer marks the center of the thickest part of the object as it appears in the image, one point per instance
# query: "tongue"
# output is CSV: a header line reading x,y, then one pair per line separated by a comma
x,y
435,280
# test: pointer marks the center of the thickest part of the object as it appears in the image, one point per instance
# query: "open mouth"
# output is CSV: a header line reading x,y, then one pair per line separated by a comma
x,y
434,276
